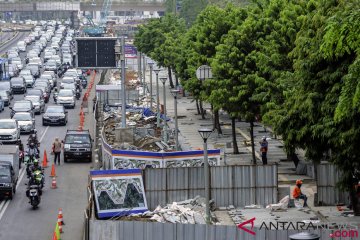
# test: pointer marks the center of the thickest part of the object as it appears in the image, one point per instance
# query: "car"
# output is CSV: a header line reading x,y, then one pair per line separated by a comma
x,y
49,78
38,102
5,97
67,80
36,60
66,98
34,68
51,65
55,115
6,85
68,59
9,131
22,106
29,80
43,84
18,62
13,70
48,55
18,85
46,95
36,92
25,121
77,145
22,46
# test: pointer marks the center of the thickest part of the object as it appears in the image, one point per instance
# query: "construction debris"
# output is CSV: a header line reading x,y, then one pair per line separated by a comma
x,y
191,211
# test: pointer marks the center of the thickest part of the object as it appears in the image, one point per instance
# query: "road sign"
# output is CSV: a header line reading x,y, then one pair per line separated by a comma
x,y
130,51
95,53
204,72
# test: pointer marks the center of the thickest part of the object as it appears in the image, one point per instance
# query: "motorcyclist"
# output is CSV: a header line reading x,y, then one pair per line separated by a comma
x,y
55,94
37,174
33,140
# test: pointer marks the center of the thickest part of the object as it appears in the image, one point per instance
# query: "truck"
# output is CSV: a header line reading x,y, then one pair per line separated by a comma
x,y
9,169
78,145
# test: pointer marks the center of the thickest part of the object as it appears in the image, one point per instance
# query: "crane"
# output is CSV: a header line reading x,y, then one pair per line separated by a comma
x,y
98,30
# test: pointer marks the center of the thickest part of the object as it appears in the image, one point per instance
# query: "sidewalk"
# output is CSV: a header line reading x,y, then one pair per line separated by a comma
x,y
189,122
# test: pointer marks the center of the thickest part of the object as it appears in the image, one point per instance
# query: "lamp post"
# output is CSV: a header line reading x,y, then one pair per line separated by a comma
x,y
163,80
157,98
143,73
123,90
151,64
205,134
175,94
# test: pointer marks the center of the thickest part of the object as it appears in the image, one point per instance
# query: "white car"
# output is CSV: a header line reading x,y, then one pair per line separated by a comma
x,y
9,131
25,121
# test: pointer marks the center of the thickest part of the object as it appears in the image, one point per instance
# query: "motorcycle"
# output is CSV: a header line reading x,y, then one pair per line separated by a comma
x,y
84,83
33,150
34,194
77,94
37,178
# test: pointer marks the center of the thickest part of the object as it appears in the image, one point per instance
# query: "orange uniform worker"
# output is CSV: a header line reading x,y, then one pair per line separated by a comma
x,y
297,194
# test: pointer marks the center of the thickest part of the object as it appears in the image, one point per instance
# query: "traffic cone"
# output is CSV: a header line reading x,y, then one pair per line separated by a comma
x,y
54,236
53,183
45,161
60,216
60,226
53,174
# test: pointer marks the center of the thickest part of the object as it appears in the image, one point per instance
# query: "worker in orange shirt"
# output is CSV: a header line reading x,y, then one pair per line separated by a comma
x,y
297,194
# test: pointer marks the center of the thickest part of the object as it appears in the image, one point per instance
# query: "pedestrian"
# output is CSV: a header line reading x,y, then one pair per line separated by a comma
x,y
264,149
56,149
297,194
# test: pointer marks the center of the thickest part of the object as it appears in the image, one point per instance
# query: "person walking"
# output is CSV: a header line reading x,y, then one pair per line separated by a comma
x,y
264,149
56,149
297,194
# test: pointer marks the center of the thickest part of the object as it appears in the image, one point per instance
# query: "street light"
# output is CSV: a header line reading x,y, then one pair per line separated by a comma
x,y
175,94
163,80
157,98
205,134
151,64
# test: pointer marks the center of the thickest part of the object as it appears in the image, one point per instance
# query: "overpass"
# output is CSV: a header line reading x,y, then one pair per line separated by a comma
x,y
43,6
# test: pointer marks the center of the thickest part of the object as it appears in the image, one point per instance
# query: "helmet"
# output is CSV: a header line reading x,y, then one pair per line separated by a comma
x,y
299,182
36,162
264,138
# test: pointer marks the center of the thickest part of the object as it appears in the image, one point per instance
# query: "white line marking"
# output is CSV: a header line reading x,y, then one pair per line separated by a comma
x,y
4,209
21,176
2,204
43,135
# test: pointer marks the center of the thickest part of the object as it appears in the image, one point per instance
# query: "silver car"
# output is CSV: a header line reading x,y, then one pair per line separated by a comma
x,y
25,122
39,104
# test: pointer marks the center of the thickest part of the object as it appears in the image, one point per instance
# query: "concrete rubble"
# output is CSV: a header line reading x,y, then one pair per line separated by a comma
x,y
191,211
147,136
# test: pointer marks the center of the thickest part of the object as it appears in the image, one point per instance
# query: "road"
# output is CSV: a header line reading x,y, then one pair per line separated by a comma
x,y
8,45
18,220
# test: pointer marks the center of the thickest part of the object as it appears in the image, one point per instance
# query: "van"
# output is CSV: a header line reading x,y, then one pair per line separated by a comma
x,y
22,46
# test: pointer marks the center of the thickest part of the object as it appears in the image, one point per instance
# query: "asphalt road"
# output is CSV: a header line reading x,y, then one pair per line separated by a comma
x,y
18,220
8,45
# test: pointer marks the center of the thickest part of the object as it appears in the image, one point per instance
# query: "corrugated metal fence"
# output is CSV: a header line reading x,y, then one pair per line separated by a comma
x,y
328,193
229,185
122,230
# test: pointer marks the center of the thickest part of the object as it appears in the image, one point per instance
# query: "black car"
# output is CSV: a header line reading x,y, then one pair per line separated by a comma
x,y
18,85
77,145
55,115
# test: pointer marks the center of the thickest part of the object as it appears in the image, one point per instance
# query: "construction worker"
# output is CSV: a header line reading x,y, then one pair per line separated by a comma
x,y
297,194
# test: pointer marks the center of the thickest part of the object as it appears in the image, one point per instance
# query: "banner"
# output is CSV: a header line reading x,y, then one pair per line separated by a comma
x,y
130,51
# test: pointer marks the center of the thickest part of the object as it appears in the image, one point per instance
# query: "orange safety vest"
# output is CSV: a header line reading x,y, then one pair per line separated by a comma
x,y
296,192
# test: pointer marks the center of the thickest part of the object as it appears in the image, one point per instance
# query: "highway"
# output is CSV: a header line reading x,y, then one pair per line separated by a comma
x,y
20,36
18,220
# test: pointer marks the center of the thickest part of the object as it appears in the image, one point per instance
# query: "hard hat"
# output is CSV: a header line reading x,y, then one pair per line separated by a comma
x,y
298,182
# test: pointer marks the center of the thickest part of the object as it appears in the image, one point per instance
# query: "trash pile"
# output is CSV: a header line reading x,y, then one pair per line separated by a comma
x,y
190,211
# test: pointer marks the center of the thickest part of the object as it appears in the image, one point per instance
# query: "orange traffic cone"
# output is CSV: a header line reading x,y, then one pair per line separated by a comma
x,y
45,162
53,174
60,226
53,183
60,216
54,236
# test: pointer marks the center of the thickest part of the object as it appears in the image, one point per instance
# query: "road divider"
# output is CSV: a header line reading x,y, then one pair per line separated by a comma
x,y
85,102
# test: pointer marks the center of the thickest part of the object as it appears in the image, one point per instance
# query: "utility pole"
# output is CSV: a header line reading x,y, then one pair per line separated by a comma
x,y
123,90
